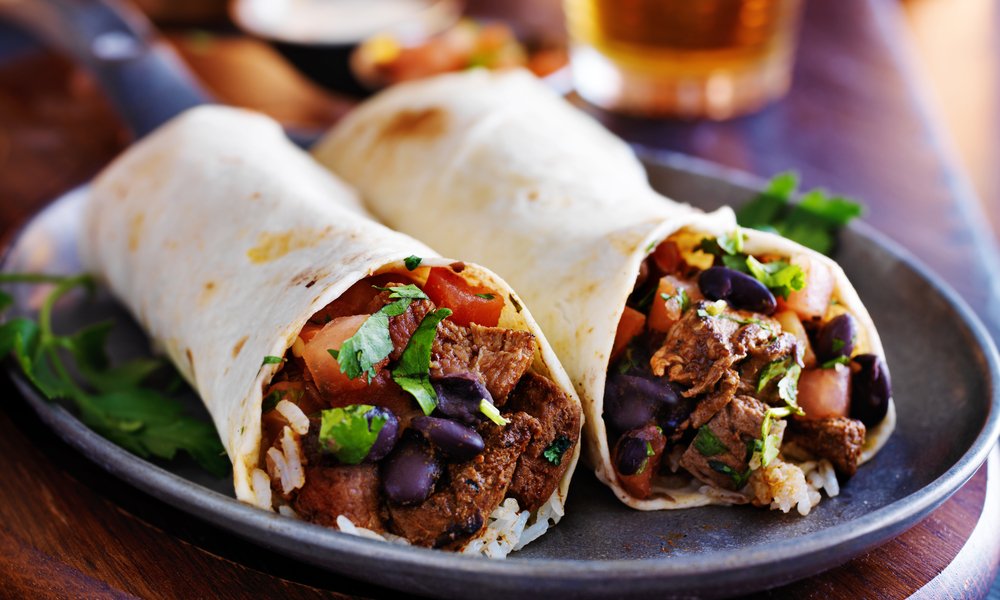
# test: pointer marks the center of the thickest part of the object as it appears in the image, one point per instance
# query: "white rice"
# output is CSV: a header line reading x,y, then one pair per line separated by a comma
x,y
261,483
285,465
294,415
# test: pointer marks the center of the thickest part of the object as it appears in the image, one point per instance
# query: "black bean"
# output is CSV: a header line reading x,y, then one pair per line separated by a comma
x,y
454,440
632,455
410,472
459,396
870,390
638,398
837,338
739,290
386,439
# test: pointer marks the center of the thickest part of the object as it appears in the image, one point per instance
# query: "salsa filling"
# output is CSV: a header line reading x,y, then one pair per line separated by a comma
x,y
722,357
403,407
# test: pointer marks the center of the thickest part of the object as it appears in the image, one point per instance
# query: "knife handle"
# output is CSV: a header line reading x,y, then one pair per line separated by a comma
x,y
145,78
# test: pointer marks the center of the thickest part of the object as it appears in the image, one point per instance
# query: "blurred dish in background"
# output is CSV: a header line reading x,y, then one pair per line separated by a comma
x,y
385,59
682,58
318,36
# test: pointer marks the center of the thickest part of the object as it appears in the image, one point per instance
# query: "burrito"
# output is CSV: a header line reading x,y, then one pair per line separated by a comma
x,y
715,365
358,380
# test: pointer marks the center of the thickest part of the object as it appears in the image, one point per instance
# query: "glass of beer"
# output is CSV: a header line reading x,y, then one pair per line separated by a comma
x,y
682,58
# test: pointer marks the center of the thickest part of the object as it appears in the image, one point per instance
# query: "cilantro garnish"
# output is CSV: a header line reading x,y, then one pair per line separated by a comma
x,y
412,372
371,343
732,243
708,444
779,276
346,433
651,246
772,370
833,362
788,387
403,291
838,343
554,452
412,262
682,298
649,452
811,222
517,305
492,413
739,479
272,360
628,360
112,400
485,296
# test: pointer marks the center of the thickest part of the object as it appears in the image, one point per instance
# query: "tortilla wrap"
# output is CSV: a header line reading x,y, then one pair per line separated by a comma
x,y
498,168
222,238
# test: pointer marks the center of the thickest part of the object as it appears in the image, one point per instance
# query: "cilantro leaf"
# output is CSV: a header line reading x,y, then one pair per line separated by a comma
x,y
485,296
833,362
272,360
778,276
412,262
404,291
682,299
811,222
554,452
732,243
412,371
517,305
371,343
347,434
772,370
739,479
788,387
270,401
25,329
737,263
707,443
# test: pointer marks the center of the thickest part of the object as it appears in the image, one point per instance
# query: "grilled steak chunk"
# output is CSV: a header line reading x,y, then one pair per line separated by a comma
x,y
350,490
456,511
735,425
838,440
536,476
497,356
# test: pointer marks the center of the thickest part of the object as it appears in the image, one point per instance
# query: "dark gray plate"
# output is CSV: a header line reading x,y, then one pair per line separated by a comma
x,y
943,370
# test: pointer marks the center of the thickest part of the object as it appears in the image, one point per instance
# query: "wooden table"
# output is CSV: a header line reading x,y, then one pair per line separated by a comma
x,y
856,121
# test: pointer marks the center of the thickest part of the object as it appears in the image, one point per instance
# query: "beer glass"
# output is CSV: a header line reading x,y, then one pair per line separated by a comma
x,y
682,58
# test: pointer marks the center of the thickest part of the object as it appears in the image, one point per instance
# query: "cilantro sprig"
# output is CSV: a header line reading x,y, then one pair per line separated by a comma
x,y
812,222
778,276
709,444
111,399
371,343
347,433
412,372
554,452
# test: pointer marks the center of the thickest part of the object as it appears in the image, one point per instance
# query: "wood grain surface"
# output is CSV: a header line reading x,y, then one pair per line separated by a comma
x,y
853,122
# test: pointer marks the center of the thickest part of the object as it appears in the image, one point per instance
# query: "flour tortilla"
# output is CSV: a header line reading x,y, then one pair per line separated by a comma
x,y
222,238
498,168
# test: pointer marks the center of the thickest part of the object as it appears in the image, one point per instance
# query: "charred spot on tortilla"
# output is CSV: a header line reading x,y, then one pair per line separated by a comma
x,y
272,246
427,123
514,301
457,267
311,283
239,345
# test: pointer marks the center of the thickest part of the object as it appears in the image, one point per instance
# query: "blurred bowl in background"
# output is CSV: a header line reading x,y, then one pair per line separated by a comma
x,y
318,36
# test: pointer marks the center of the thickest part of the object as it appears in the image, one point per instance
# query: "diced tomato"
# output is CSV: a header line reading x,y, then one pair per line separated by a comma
x,y
630,325
469,304
664,313
638,485
309,330
667,257
825,393
355,300
790,323
323,367
811,302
